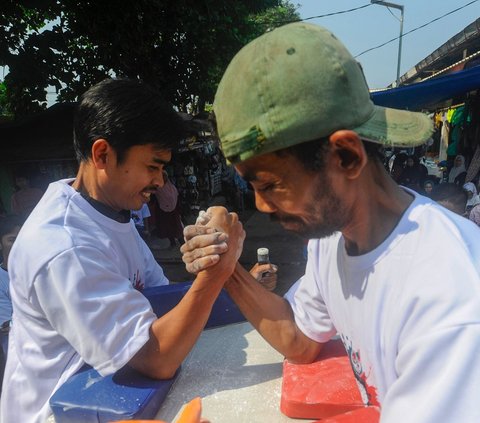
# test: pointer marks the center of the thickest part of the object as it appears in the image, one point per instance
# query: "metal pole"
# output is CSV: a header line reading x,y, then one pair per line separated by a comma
x,y
400,7
400,47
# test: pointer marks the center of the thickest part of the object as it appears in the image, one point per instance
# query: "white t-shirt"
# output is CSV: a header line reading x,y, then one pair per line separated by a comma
x,y
408,313
5,300
73,275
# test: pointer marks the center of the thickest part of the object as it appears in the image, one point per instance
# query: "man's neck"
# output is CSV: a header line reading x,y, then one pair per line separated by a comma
x,y
84,183
377,210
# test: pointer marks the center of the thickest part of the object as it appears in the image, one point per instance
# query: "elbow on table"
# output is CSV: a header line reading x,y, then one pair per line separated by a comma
x,y
308,354
159,372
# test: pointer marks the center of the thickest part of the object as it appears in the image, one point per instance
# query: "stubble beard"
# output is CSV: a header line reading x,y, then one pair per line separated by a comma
x,y
327,214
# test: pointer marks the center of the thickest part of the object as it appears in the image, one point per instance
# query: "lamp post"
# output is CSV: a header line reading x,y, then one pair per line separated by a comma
x,y
399,7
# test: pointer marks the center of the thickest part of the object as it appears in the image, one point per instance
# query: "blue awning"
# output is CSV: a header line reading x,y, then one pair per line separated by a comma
x,y
427,94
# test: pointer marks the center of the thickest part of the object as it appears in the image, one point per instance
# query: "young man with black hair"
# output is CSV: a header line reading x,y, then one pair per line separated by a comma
x,y
395,275
79,265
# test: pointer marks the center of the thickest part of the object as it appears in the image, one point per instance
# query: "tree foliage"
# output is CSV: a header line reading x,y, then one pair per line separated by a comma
x,y
179,46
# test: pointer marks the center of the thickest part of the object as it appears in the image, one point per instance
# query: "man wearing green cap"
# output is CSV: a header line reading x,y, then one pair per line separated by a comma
x,y
394,274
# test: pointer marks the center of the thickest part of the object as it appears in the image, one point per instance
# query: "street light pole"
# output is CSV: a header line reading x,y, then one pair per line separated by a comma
x,y
399,7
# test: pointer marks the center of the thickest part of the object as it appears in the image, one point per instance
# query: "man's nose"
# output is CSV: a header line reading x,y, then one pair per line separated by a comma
x,y
263,205
159,180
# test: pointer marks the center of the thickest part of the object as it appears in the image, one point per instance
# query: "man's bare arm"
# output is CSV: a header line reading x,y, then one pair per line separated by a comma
x,y
173,335
272,316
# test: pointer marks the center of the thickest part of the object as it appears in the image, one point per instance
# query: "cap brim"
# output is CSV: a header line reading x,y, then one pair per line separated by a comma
x,y
396,128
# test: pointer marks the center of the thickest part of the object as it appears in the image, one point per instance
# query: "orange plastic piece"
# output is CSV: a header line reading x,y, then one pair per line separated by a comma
x,y
322,389
138,421
192,412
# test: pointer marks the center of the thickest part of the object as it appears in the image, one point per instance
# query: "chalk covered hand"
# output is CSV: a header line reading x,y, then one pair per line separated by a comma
x,y
214,243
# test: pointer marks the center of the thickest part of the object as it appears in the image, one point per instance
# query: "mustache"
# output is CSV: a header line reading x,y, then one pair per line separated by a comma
x,y
150,188
280,217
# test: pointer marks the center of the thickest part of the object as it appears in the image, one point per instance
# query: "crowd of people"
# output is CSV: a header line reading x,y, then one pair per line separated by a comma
x,y
409,171
391,272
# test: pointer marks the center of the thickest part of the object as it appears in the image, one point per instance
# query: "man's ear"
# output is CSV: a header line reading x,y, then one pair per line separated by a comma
x,y
349,152
101,151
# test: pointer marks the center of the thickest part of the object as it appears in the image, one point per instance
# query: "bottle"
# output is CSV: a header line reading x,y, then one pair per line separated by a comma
x,y
263,258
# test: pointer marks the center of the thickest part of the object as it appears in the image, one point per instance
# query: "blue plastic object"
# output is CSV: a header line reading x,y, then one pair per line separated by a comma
x,y
88,397
164,298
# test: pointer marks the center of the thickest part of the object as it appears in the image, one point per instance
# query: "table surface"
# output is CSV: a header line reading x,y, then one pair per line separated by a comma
x,y
237,375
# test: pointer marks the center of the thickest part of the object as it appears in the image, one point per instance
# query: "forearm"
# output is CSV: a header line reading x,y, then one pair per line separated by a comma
x,y
272,316
173,335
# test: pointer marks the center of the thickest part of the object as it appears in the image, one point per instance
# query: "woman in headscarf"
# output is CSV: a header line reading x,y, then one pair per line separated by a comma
x,y
458,172
472,196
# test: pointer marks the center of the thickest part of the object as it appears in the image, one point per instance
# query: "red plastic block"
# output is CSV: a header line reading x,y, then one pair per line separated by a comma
x,y
322,389
362,415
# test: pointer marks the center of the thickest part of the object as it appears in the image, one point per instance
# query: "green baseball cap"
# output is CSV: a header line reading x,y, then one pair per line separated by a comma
x,y
298,83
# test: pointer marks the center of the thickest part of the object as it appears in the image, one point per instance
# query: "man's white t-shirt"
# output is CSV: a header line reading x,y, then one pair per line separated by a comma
x,y
408,313
76,277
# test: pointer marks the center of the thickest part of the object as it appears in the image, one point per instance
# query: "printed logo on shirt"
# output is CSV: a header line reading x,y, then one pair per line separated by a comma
x,y
368,392
137,282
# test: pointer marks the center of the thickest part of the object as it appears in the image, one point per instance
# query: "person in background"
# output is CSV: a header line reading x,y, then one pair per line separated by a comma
x,y
451,196
398,165
169,219
474,215
428,187
141,219
25,198
458,172
78,266
392,273
9,228
413,174
472,197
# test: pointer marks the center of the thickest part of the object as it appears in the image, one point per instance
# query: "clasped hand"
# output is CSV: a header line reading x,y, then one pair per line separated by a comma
x,y
213,245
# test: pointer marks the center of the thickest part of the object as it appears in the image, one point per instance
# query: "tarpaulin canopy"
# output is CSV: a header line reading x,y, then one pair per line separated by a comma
x,y
428,94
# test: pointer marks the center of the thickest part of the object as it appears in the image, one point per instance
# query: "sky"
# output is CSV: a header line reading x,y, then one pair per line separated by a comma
x,y
368,27
373,25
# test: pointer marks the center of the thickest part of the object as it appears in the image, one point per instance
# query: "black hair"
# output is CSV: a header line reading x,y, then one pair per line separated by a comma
x,y
125,113
312,153
452,193
7,223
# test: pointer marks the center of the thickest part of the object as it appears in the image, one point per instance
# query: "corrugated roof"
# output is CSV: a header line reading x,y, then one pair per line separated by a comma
x,y
462,44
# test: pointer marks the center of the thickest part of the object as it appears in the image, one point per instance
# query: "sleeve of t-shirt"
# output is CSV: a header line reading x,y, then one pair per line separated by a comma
x,y
309,309
94,308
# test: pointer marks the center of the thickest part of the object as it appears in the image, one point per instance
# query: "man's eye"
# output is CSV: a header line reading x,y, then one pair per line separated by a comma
x,y
154,168
265,188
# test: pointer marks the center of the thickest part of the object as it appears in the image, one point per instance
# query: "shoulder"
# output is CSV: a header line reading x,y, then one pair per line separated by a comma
x,y
51,228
